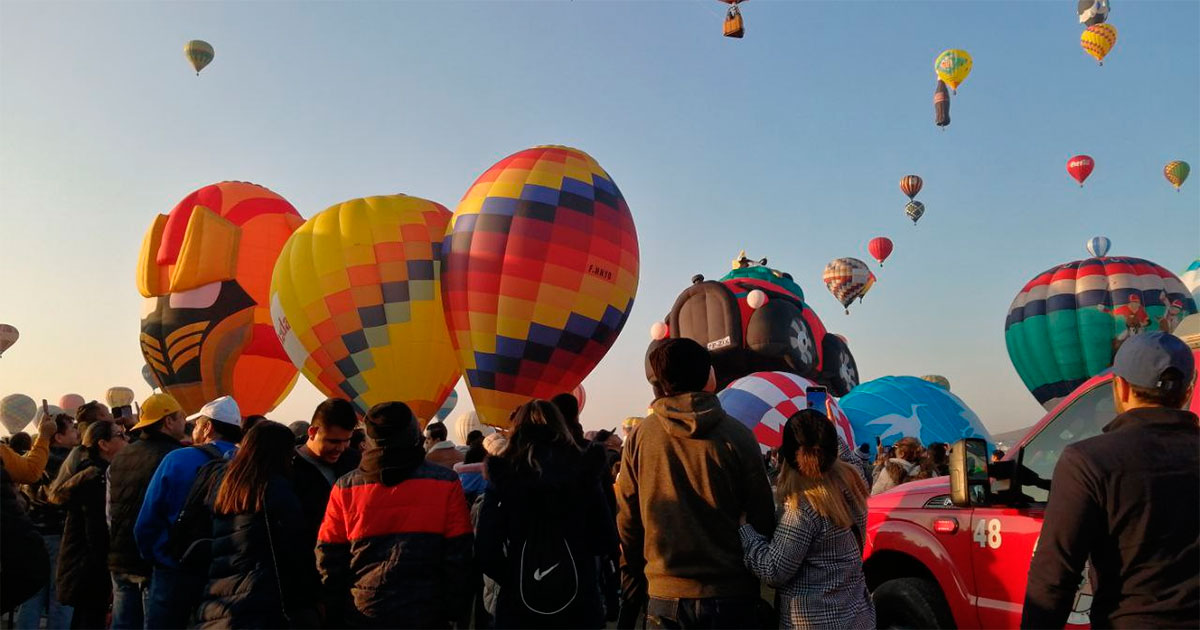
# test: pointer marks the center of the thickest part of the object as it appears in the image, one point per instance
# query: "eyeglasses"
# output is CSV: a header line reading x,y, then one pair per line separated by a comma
x,y
119,436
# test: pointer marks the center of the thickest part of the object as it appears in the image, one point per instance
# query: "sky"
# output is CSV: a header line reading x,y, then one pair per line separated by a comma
x,y
788,143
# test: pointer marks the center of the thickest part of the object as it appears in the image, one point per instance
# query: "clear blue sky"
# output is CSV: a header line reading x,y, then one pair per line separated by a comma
x,y
788,143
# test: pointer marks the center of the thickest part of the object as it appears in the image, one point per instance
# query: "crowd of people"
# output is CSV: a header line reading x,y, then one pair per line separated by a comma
x,y
380,521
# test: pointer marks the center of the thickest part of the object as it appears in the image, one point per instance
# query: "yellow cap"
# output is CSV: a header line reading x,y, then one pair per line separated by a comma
x,y
157,407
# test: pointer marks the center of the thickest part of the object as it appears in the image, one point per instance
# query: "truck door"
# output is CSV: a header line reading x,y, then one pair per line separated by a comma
x,y
1004,537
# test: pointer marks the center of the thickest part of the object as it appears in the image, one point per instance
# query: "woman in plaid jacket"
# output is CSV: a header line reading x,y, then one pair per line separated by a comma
x,y
815,556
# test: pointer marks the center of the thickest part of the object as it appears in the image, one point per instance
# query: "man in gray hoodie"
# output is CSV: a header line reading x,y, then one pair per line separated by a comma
x,y
687,475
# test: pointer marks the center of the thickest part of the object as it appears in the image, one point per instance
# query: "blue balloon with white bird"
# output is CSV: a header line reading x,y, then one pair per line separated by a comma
x,y
894,407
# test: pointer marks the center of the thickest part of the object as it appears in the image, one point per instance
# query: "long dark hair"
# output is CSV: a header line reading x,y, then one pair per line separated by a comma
x,y
266,451
810,470
95,432
536,424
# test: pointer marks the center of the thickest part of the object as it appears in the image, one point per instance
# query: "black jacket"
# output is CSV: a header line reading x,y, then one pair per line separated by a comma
x,y
24,564
1127,499
568,487
47,517
83,578
313,490
252,565
128,478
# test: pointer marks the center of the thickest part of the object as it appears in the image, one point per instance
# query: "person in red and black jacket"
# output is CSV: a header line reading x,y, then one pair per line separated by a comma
x,y
403,525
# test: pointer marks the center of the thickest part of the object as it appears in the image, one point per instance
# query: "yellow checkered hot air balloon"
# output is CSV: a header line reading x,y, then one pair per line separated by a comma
x,y
1098,40
356,301
1176,172
199,53
952,67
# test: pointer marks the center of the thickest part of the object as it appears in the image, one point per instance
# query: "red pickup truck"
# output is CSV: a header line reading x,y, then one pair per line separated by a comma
x,y
935,558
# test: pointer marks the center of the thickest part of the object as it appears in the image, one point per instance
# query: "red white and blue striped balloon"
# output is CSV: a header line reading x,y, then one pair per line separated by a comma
x,y
763,401
1098,246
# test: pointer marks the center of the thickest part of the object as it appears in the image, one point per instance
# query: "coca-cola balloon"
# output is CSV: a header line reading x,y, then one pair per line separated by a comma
x,y
1079,167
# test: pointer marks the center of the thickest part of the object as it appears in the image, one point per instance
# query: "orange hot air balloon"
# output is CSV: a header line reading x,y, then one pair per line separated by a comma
x,y
205,271
539,272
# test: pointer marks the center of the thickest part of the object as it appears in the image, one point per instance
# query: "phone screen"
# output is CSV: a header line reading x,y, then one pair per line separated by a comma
x,y
816,398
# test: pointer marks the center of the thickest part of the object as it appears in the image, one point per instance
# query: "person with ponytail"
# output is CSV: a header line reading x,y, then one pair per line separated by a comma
x,y
259,576
814,558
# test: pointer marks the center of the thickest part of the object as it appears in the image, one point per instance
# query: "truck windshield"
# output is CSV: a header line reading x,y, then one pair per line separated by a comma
x,y
1082,419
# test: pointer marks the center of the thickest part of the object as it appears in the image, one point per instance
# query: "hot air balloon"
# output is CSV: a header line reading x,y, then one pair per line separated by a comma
x,y
357,303
915,210
71,402
1191,279
941,105
952,67
447,407
894,407
1079,167
580,395
16,412
847,279
1097,40
467,422
1098,246
910,185
8,337
733,19
880,248
1092,12
205,271
937,379
1066,324
148,376
199,53
1176,172
540,268
763,401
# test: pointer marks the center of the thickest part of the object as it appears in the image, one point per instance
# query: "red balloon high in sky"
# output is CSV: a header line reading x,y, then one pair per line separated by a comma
x,y
880,248
1080,167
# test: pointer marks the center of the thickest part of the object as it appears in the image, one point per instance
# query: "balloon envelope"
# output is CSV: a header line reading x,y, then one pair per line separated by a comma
x,y
467,422
914,210
1066,324
199,53
540,268
447,407
1079,167
16,412
8,336
1092,11
356,300
119,397
911,185
205,271
952,67
763,401
1098,246
847,279
893,407
148,376
1176,172
880,248
937,379
1191,280
71,402
1097,40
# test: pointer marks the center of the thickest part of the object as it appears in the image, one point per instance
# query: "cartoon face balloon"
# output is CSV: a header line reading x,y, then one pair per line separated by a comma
x,y
356,299
205,270
540,268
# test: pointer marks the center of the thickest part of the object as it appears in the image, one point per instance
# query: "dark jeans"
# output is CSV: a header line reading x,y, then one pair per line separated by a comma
x,y
174,596
89,618
131,597
714,613
29,614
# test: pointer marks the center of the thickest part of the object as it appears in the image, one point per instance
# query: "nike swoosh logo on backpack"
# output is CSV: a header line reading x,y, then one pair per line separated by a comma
x,y
539,574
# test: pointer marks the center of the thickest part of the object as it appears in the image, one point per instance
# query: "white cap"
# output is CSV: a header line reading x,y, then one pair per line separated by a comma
x,y
224,409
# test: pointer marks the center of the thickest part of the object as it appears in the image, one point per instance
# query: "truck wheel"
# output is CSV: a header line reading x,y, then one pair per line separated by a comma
x,y
910,603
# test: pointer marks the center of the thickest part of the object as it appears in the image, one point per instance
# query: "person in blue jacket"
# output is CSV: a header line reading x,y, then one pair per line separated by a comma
x,y
173,591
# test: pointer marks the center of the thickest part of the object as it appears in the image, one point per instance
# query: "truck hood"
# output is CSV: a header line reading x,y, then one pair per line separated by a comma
x,y
913,494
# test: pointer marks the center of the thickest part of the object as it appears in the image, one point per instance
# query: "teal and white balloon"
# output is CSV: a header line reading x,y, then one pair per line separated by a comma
x,y
1191,279
1098,246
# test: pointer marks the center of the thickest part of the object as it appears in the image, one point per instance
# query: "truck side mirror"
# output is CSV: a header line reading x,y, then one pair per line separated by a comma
x,y
969,472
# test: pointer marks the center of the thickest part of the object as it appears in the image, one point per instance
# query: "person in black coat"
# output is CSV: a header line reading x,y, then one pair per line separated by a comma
x,y
547,509
83,579
321,459
260,576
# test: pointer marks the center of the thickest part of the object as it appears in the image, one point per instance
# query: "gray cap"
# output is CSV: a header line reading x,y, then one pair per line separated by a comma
x,y
1145,359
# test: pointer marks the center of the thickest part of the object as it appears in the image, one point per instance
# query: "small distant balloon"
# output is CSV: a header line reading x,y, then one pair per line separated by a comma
x,y
71,402
915,210
1092,12
1098,40
937,379
8,336
880,248
199,53
1176,172
1080,167
448,406
580,395
910,185
148,376
16,412
1098,246
119,397
953,66
848,279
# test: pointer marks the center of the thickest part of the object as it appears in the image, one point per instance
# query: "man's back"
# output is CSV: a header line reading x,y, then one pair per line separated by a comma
x,y
1142,476
688,473
128,477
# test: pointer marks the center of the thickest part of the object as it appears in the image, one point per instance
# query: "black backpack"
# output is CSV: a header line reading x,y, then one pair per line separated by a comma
x,y
189,540
547,567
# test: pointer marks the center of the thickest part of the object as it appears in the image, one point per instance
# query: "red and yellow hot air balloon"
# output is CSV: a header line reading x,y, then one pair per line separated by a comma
x,y
1097,40
205,271
539,272
357,303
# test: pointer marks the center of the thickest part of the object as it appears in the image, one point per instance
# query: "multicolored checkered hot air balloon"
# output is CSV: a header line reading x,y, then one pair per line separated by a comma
x,y
847,279
1176,172
205,271
540,268
356,300
1066,324
764,401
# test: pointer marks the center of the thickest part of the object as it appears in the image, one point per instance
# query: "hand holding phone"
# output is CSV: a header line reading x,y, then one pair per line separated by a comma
x,y
817,397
